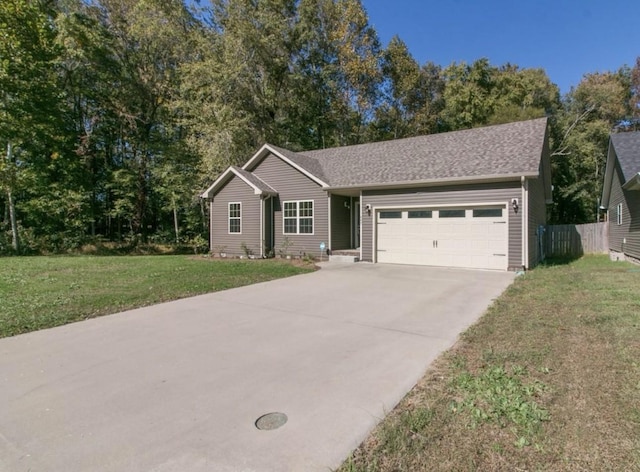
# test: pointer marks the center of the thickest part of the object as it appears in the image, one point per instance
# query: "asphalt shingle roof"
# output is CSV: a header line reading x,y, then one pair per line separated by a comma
x,y
500,150
627,147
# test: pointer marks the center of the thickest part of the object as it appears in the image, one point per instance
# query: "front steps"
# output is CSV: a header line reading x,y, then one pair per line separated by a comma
x,y
345,256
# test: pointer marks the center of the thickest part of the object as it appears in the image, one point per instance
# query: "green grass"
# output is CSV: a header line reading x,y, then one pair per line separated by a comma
x,y
42,292
547,380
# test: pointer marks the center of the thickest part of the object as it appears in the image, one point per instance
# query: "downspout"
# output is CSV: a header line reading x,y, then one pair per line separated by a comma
x,y
525,222
211,225
329,246
261,226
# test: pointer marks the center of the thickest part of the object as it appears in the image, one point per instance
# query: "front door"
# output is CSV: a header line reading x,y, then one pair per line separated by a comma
x,y
356,224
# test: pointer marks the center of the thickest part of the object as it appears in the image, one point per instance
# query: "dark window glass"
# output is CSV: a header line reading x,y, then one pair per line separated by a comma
x,y
385,215
290,226
306,225
451,213
306,208
487,213
420,214
290,209
234,226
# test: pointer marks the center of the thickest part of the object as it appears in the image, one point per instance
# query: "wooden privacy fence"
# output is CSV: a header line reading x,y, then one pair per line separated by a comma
x,y
576,240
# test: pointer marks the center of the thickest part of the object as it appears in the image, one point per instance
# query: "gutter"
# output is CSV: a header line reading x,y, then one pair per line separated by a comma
x,y
444,181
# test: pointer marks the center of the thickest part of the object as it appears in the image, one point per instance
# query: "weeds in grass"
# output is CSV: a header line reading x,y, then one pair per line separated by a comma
x,y
548,379
499,395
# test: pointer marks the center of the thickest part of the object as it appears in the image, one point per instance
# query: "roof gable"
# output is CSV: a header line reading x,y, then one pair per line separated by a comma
x,y
303,164
624,148
627,148
259,187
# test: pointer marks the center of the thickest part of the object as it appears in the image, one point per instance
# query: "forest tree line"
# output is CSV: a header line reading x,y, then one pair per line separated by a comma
x,y
116,114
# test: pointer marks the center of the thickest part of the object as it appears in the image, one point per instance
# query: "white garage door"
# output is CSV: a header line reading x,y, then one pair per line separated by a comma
x,y
474,237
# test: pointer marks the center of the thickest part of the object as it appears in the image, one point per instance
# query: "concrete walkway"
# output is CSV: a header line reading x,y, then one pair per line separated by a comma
x,y
179,386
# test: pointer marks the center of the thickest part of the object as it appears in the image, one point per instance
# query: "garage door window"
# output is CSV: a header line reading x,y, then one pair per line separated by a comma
x,y
420,214
451,213
385,215
487,213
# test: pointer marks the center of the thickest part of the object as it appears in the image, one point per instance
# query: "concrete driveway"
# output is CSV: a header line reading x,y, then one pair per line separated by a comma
x,y
179,386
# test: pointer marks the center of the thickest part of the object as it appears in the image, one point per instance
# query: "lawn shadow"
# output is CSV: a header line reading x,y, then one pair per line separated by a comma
x,y
560,260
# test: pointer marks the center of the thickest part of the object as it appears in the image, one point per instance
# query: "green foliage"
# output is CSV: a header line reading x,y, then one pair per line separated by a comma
x,y
116,114
580,134
480,94
500,396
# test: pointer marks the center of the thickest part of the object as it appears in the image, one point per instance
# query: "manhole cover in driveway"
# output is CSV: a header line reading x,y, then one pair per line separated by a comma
x,y
271,421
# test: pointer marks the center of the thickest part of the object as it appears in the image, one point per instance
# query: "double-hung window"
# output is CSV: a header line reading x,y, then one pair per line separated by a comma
x,y
235,217
298,217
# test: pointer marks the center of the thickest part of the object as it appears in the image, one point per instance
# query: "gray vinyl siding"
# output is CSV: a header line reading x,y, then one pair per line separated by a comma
x,y
630,227
537,216
446,195
340,222
291,185
235,191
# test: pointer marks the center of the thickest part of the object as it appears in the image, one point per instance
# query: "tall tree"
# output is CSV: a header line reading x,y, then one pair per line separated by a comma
x,y
582,127
468,96
28,95
412,95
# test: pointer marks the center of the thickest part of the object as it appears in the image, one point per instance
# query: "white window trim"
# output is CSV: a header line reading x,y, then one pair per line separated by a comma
x,y
298,217
619,214
229,218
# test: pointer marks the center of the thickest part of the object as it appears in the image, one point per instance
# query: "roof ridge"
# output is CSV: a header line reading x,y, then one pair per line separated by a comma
x,y
408,138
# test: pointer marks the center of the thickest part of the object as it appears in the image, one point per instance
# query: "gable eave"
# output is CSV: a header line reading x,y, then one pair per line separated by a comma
x,y
608,175
225,177
266,149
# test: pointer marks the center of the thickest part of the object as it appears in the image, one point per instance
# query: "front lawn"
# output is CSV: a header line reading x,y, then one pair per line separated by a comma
x,y
548,379
42,292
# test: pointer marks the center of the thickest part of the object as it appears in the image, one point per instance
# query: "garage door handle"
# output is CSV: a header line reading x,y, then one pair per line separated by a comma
x,y
503,255
499,222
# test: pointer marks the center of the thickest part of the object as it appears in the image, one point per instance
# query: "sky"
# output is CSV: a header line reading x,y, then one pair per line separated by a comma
x,y
567,38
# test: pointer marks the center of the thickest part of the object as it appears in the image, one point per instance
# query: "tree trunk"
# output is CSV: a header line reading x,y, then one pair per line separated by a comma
x,y
175,220
12,205
14,224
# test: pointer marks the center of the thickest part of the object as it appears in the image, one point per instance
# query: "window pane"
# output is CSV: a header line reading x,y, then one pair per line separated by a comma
x,y
487,213
420,214
290,226
306,225
384,215
234,210
290,209
234,225
306,208
451,213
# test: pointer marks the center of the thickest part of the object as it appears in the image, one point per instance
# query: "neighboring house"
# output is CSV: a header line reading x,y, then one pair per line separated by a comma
x,y
621,194
473,198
